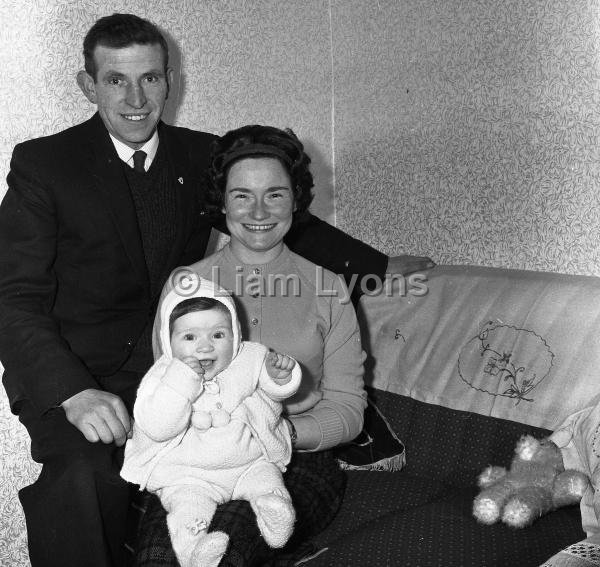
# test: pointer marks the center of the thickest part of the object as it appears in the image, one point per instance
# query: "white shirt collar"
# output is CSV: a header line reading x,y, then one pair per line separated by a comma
x,y
126,153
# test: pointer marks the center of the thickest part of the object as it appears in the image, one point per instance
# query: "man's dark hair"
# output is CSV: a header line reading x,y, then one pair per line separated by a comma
x,y
259,141
195,304
118,31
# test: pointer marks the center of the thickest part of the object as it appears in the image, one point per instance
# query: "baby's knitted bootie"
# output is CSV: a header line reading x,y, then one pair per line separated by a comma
x,y
210,549
275,517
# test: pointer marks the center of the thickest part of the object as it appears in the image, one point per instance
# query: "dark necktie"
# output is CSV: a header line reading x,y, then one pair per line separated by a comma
x,y
139,159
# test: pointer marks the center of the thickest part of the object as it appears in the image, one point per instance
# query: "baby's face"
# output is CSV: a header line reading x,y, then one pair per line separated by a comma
x,y
206,336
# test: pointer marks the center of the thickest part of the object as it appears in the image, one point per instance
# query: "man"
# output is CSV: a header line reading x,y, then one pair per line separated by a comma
x,y
90,228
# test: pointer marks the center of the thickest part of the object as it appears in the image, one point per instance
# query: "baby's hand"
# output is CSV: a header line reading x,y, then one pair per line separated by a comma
x,y
194,364
279,367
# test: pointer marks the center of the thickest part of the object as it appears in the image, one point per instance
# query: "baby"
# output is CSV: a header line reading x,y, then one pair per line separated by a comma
x,y
208,425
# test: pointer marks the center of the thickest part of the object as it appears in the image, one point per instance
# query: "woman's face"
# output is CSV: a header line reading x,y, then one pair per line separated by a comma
x,y
259,203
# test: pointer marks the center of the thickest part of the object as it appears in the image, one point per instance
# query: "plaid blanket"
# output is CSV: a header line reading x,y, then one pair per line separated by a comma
x,y
316,485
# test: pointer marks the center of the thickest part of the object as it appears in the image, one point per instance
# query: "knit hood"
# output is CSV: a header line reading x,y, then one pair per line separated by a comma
x,y
191,286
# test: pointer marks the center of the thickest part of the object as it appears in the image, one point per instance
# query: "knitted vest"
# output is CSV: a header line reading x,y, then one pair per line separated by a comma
x,y
154,197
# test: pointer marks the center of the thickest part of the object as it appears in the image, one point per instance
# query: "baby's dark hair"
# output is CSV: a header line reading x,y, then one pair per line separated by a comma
x,y
195,304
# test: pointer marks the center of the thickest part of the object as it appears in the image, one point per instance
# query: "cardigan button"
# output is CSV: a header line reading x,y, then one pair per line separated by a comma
x,y
254,321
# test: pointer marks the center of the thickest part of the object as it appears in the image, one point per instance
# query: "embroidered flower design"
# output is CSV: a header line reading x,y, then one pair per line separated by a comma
x,y
504,360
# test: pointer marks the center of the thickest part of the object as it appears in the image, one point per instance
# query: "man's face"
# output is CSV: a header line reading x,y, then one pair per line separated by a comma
x,y
130,89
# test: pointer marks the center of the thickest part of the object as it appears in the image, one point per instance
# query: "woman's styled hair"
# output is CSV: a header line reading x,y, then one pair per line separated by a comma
x,y
259,141
118,31
194,304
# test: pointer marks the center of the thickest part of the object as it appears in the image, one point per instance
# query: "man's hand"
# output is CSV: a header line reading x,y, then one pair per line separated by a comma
x,y
407,264
99,415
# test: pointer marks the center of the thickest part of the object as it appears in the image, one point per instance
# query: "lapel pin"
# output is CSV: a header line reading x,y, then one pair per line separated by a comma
x,y
180,179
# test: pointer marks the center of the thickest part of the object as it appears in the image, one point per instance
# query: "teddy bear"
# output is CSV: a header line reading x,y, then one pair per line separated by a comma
x,y
536,483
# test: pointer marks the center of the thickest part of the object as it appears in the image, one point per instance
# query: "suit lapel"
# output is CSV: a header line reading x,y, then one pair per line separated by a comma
x,y
107,171
185,184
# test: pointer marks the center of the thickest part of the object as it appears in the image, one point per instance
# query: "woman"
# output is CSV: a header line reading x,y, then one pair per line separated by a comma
x,y
261,181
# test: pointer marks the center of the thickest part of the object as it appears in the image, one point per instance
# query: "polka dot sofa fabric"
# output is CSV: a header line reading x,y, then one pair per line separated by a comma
x,y
421,516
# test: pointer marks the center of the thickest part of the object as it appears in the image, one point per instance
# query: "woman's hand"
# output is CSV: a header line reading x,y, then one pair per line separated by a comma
x,y
279,367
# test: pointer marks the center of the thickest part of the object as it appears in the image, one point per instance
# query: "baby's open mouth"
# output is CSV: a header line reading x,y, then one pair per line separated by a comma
x,y
206,363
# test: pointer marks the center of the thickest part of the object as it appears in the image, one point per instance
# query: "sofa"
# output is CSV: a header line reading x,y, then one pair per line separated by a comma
x,y
459,372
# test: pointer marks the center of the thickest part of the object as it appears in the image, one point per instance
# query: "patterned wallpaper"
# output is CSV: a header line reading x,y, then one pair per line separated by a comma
x,y
467,129
464,130
470,130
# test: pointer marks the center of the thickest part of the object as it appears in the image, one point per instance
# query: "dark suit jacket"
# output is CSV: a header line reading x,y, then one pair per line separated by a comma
x,y
74,289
